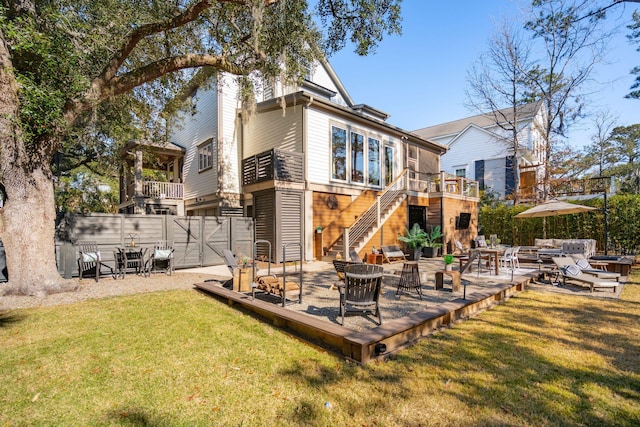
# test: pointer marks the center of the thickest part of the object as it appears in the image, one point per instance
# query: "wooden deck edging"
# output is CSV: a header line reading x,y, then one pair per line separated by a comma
x,y
381,341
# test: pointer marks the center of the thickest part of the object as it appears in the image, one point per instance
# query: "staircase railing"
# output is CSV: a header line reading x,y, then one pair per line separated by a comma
x,y
371,217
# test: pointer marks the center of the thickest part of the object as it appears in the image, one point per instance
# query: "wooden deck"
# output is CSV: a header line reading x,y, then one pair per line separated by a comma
x,y
381,341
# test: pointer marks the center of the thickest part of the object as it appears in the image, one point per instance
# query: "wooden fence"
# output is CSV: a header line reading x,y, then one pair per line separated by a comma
x,y
198,241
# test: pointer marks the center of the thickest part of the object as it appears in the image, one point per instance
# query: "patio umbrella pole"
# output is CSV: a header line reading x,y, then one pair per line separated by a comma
x,y
606,226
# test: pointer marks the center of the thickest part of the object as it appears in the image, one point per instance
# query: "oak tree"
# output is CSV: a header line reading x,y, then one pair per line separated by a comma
x,y
75,74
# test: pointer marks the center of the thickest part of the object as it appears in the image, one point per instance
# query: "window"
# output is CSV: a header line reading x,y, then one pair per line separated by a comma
x,y
339,151
205,155
462,173
374,162
357,157
388,165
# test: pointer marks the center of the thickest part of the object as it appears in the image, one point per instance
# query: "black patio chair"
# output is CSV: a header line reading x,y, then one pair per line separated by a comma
x,y
361,290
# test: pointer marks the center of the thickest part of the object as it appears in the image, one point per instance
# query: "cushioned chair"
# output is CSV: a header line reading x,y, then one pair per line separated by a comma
x,y
570,271
586,267
161,257
90,259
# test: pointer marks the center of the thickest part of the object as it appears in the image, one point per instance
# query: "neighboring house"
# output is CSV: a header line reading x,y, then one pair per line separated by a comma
x,y
482,150
319,174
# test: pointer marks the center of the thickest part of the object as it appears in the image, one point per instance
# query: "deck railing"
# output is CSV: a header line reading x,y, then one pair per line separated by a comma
x,y
162,190
275,164
442,183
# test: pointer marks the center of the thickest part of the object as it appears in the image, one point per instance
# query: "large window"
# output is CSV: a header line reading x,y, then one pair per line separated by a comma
x,y
357,157
388,165
339,150
374,162
205,155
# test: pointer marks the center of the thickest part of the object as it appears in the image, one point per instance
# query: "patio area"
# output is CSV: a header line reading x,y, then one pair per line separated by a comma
x,y
406,318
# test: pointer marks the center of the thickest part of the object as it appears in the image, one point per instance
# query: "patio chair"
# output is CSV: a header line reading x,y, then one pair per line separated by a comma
x,y
90,259
162,256
361,291
392,253
583,263
509,259
355,257
568,270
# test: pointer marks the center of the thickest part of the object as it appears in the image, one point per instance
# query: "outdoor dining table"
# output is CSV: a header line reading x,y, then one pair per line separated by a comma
x,y
496,252
131,257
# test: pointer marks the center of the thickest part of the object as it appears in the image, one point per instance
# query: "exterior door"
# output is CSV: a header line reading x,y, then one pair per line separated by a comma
x,y
418,215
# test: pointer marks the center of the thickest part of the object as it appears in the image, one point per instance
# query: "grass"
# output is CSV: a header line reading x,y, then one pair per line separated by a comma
x,y
183,359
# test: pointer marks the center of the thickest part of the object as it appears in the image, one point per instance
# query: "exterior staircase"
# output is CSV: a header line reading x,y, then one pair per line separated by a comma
x,y
356,236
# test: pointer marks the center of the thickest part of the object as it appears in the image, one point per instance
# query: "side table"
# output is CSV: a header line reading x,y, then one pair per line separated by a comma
x,y
374,259
455,279
410,279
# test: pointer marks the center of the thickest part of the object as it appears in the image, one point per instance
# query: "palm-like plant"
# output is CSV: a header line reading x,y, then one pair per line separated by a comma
x,y
415,237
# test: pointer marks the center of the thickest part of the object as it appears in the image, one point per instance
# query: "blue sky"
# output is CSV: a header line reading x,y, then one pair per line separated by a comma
x,y
420,77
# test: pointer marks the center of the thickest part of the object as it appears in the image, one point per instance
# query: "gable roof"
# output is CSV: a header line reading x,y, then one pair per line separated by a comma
x,y
484,120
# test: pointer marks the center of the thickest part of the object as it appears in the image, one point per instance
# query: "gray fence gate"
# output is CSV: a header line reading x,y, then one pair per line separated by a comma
x,y
197,241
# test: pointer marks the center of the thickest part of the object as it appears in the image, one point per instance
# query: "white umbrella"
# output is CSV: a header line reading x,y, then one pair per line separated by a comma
x,y
552,208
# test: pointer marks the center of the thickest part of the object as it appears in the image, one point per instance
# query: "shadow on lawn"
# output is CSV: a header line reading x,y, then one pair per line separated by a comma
x,y
529,381
523,362
8,319
134,417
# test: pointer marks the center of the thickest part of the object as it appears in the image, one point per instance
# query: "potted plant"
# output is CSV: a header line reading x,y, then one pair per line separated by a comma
x,y
431,243
448,261
415,239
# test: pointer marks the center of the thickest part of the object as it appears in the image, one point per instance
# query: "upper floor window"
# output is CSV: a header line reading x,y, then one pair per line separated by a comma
x,y
205,155
374,161
357,157
461,172
339,150
388,164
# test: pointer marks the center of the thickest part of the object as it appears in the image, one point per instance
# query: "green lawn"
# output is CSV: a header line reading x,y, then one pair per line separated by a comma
x,y
183,359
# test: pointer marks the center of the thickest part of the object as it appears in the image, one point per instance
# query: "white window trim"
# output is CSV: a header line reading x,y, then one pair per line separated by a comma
x,y
207,144
382,144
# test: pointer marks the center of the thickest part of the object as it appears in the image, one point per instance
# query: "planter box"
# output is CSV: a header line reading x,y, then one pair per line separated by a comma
x,y
429,252
242,279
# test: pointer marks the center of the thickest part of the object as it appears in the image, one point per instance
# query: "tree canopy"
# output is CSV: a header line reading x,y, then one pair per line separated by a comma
x,y
78,76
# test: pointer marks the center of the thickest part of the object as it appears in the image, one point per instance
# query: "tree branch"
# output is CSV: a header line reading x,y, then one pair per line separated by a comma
x,y
128,81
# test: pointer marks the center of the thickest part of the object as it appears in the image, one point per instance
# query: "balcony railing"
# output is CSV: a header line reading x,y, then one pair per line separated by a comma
x,y
442,183
162,190
273,165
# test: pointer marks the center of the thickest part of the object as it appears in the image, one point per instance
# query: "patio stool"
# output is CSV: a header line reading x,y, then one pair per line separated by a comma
x,y
410,278
455,279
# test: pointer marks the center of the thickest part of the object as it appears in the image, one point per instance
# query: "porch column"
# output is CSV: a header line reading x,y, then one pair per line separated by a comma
x,y
176,170
139,207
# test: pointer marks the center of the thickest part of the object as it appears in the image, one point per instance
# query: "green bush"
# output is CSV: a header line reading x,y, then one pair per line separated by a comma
x,y
623,215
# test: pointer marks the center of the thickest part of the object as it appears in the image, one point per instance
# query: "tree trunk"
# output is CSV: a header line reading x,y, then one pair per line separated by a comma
x,y
28,216
28,235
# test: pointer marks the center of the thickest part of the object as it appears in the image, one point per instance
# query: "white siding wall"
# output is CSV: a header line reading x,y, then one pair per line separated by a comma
x,y
191,131
322,78
318,159
473,145
228,135
270,130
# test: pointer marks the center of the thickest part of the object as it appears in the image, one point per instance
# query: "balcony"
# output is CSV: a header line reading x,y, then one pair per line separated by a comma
x,y
274,164
442,183
158,190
